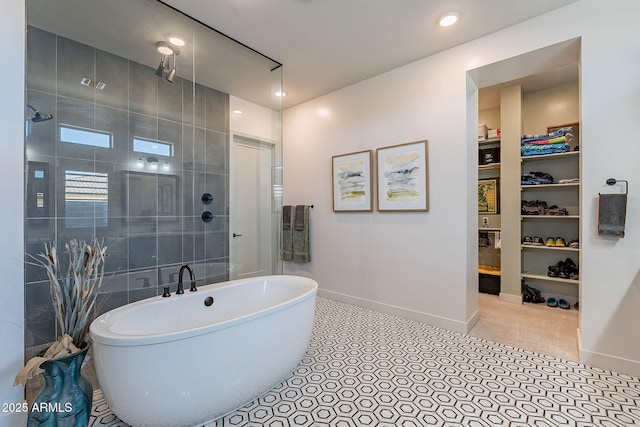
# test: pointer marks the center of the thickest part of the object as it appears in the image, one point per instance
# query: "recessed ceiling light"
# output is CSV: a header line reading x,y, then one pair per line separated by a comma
x,y
237,112
448,19
176,41
281,93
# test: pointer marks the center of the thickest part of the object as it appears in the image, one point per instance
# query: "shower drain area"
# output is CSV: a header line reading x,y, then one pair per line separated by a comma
x,y
365,368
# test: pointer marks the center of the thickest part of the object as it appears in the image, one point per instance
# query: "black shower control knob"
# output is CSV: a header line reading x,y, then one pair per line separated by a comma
x,y
207,198
206,216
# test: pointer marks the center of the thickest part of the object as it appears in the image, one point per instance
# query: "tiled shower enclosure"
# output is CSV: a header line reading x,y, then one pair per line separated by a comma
x,y
149,215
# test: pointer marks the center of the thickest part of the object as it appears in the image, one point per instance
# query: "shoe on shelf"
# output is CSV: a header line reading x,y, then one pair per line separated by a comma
x,y
552,302
526,240
564,304
560,243
527,295
536,298
537,241
577,305
550,241
555,269
569,270
574,243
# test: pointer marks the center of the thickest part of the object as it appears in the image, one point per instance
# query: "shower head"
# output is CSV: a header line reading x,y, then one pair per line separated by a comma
x,y
164,65
172,74
39,116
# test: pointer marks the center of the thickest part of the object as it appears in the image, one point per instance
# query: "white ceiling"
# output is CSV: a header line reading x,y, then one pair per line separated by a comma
x,y
329,44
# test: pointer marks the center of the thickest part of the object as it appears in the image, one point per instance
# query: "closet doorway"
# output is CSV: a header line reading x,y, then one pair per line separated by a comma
x,y
528,94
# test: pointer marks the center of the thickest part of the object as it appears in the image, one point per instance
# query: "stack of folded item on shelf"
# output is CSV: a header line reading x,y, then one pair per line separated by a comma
x,y
550,143
536,178
569,181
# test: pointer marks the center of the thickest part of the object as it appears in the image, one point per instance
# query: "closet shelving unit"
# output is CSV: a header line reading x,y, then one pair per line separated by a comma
x,y
536,259
489,257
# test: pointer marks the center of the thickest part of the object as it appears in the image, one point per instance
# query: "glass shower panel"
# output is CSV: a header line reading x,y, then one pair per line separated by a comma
x,y
137,137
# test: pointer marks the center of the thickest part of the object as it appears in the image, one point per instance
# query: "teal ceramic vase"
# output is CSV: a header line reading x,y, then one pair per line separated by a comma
x,y
65,400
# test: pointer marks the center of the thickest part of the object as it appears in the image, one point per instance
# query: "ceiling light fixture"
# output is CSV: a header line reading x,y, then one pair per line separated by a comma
x,y
448,19
164,48
176,41
237,112
281,93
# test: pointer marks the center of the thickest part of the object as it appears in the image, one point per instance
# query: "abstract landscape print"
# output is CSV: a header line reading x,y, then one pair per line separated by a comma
x,y
402,177
352,182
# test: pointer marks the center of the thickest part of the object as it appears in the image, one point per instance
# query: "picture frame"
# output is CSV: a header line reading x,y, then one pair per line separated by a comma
x,y
573,136
488,196
403,177
352,186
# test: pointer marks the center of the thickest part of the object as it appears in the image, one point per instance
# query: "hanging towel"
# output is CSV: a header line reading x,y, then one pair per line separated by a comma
x,y
300,233
612,213
286,250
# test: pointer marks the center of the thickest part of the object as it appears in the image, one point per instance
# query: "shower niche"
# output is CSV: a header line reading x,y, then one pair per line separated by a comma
x,y
131,137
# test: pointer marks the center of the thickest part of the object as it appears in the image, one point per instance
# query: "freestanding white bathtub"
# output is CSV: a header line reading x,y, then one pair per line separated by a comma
x,y
178,362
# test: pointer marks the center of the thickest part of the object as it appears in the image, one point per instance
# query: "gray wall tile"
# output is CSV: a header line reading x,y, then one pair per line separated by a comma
x,y
217,110
143,89
41,60
75,61
170,99
114,71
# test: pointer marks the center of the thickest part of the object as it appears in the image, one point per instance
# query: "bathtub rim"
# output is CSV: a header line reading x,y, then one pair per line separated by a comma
x,y
101,335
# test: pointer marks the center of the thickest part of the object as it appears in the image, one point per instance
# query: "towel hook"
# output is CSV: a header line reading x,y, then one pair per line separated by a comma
x,y
612,181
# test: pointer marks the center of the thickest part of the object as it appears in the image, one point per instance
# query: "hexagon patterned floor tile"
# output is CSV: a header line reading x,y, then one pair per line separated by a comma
x,y
365,368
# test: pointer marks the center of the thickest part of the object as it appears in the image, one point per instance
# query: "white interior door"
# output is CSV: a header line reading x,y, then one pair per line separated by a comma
x,y
250,217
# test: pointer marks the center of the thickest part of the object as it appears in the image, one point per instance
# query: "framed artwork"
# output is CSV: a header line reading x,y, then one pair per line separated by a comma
x,y
488,196
403,178
572,134
352,185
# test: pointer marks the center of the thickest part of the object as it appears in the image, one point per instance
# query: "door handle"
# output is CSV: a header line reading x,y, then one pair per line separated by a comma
x,y
237,235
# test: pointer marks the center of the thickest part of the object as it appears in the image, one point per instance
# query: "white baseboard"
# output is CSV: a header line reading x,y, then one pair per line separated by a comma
x,y
438,321
513,299
609,362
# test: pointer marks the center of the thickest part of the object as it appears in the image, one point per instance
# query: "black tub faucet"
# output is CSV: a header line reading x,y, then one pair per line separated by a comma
x,y
192,276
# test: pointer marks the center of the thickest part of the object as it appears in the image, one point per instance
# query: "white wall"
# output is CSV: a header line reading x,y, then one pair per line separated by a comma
x,y
255,121
419,265
550,107
12,116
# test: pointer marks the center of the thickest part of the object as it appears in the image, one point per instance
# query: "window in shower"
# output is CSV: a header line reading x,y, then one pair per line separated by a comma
x,y
151,146
86,199
85,136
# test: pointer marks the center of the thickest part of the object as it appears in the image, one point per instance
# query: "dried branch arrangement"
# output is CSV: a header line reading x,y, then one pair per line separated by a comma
x,y
74,294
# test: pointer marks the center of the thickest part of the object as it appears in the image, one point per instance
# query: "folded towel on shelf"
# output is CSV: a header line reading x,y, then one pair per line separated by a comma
x,y
612,212
537,150
300,237
569,181
557,140
286,251
555,134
